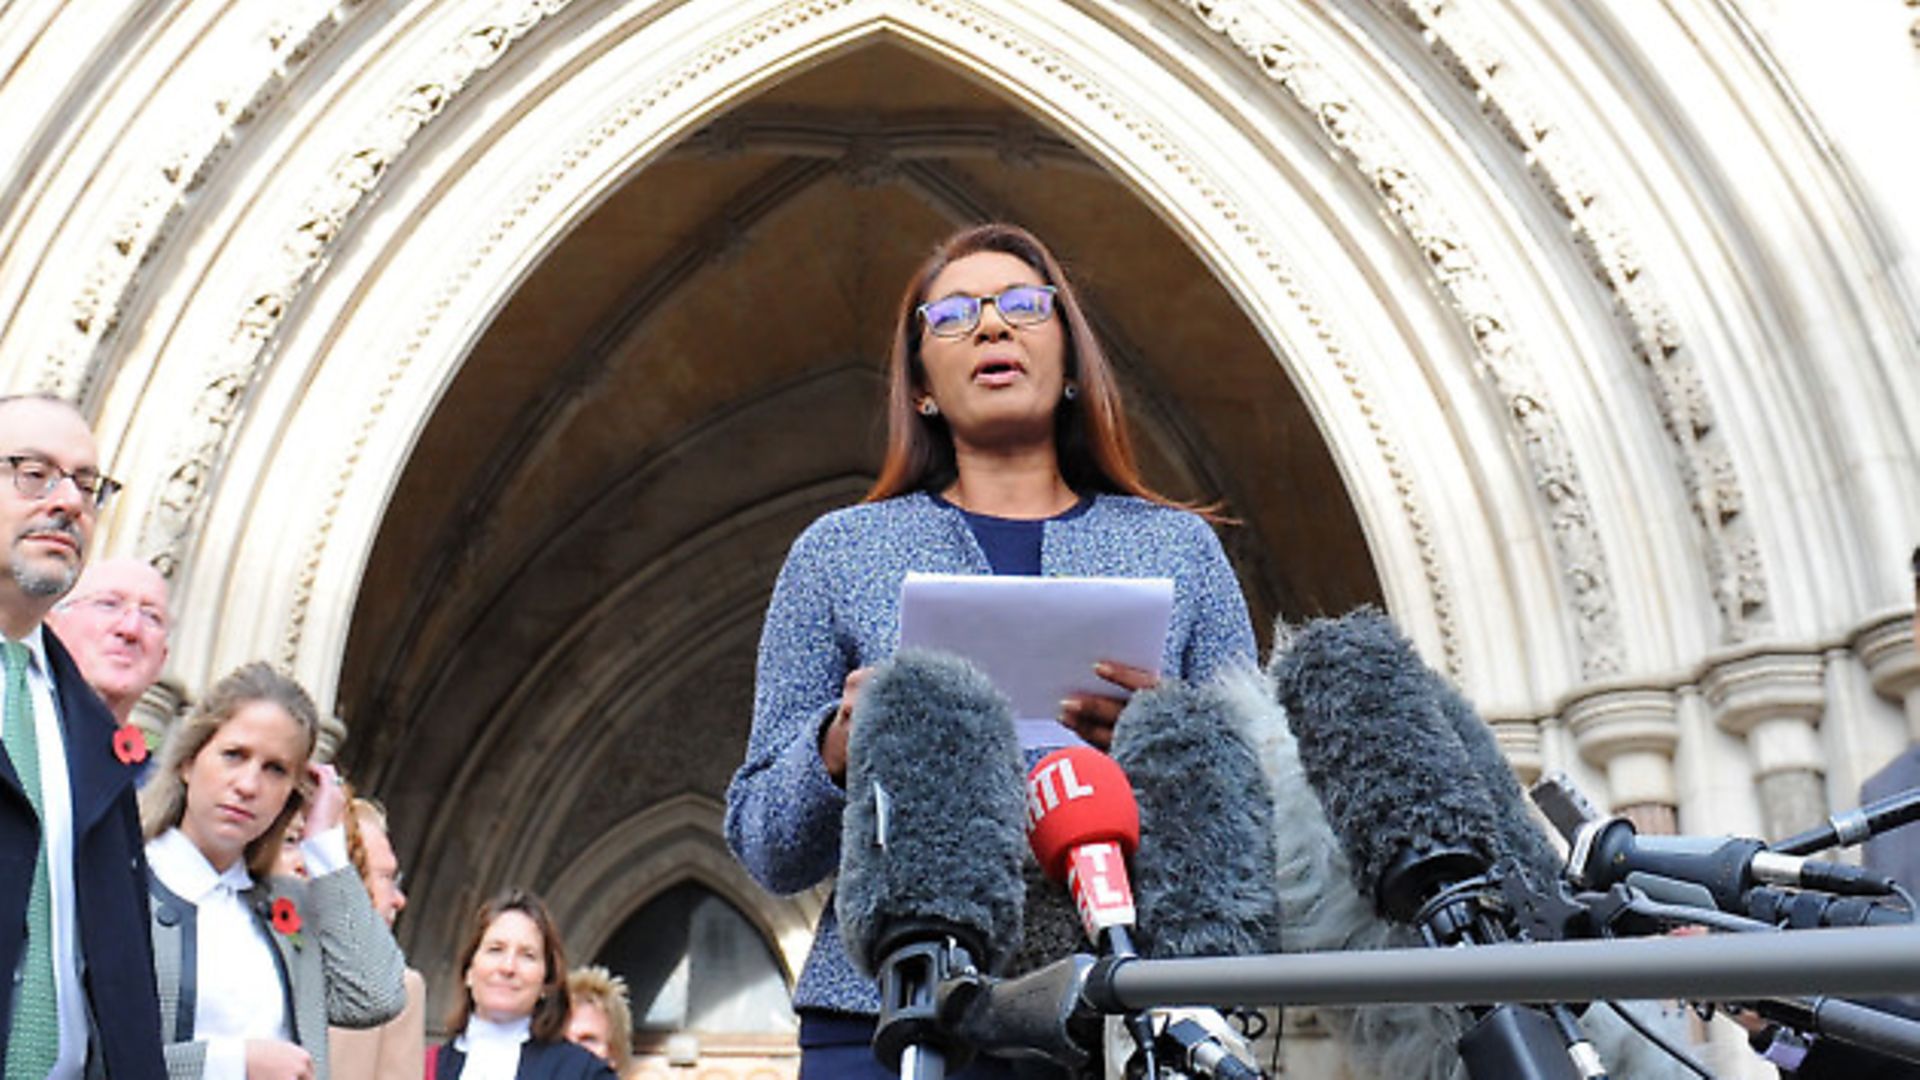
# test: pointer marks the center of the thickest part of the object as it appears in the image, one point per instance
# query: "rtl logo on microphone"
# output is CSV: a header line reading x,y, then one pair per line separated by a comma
x,y
1096,867
1050,785
1097,876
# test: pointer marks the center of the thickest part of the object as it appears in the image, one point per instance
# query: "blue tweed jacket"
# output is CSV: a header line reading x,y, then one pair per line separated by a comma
x,y
835,608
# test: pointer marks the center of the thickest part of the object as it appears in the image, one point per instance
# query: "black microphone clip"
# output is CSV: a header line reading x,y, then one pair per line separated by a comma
x,y
915,979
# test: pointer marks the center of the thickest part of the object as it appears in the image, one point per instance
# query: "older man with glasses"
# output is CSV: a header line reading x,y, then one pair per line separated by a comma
x,y
116,624
77,994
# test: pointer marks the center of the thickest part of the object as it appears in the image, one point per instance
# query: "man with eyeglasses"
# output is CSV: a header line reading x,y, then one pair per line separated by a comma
x,y
115,622
77,995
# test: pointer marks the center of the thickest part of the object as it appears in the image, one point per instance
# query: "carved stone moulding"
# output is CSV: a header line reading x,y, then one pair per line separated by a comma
x,y
1604,246
149,213
1507,373
298,256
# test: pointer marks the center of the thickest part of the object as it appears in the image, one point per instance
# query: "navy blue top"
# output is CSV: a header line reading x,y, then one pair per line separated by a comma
x,y
1012,545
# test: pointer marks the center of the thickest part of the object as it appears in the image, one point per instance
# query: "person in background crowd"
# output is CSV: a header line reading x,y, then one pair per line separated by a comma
x,y
292,861
1007,453
73,878
117,623
511,1023
602,1020
393,1050
251,967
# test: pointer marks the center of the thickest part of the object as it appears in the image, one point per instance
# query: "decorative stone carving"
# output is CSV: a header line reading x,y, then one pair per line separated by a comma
x,y
302,251
1508,374
1631,733
252,77
1452,34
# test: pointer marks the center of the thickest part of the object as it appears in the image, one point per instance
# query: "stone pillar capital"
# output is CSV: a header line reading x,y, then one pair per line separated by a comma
x,y
158,709
1762,686
333,732
1630,732
1519,740
1886,647
1624,719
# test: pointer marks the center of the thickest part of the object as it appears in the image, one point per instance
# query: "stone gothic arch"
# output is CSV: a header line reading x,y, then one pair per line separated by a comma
x,y
1607,353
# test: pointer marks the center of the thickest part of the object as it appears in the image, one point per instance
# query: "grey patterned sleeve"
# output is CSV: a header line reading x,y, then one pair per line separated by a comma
x,y
365,971
783,810
1222,631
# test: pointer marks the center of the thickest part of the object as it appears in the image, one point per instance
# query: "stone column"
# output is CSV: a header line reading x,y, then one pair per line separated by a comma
x,y
1630,733
1774,700
158,710
1887,649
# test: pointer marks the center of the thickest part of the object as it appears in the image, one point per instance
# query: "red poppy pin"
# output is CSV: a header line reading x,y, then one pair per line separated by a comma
x,y
129,744
286,919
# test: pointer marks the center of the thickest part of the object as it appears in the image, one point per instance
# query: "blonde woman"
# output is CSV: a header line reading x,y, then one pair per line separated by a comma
x,y
601,1020
253,967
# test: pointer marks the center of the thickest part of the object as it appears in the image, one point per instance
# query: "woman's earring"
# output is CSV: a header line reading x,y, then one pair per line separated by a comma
x,y
928,407
1071,391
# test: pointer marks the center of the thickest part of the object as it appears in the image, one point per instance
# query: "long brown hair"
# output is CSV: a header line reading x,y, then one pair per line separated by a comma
x,y
1089,431
163,801
550,1012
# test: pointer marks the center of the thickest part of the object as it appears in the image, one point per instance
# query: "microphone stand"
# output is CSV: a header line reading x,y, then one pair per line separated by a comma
x,y
1455,899
910,1037
1852,827
1848,1022
1120,943
1052,1014
1855,961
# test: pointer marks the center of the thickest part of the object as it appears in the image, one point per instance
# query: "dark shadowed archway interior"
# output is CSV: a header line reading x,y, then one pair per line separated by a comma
x,y
693,963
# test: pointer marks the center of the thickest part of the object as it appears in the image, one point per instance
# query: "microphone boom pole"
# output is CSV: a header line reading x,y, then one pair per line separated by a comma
x,y
1854,961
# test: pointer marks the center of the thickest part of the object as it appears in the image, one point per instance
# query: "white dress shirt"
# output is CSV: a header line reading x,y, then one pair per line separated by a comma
x,y
493,1050
240,996
56,799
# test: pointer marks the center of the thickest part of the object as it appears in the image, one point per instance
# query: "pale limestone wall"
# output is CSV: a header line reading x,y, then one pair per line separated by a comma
x,y
1606,311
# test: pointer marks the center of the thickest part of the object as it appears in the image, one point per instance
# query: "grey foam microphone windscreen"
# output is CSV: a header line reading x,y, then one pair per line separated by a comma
x,y
1204,878
934,830
1520,834
1390,772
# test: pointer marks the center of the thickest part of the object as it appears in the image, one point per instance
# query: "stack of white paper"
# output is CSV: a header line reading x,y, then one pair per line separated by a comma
x,y
1038,638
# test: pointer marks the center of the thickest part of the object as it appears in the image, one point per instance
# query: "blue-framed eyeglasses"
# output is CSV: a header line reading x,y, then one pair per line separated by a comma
x,y
959,315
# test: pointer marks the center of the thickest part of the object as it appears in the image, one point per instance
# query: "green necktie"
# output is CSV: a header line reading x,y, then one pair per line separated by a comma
x,y
34,1043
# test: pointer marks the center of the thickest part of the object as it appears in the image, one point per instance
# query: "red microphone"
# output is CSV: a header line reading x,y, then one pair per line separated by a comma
x,y
1083,825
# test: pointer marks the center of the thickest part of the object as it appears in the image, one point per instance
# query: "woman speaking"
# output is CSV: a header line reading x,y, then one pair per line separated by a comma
x,y
1007,453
